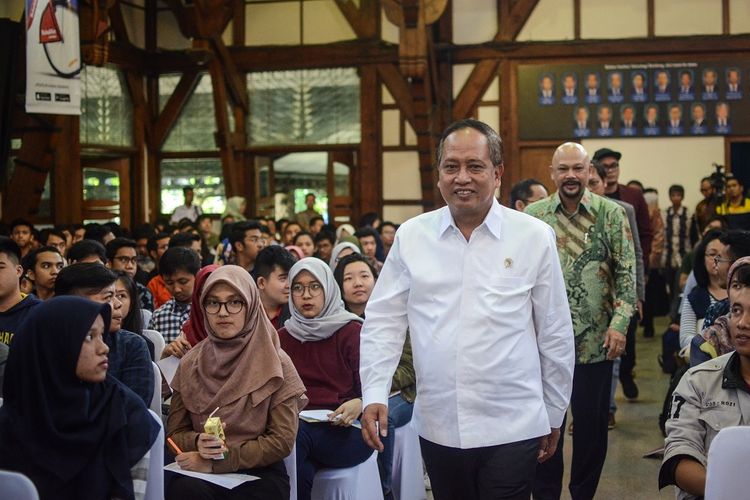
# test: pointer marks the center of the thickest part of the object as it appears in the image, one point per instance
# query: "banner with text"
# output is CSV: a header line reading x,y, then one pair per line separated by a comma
x,y
574,101
53,57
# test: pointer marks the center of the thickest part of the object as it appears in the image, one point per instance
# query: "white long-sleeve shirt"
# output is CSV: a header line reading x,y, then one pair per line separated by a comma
x,y
490,327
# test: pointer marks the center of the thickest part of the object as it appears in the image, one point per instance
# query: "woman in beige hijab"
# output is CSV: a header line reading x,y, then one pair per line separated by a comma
x,y
240,374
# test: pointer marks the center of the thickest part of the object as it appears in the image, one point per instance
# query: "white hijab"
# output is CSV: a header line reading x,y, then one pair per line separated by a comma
x,y
333,316
344,227
337,250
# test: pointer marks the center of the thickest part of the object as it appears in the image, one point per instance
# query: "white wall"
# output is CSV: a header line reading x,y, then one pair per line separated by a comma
x,y
687,17
661,162
551,20
597,17
474,21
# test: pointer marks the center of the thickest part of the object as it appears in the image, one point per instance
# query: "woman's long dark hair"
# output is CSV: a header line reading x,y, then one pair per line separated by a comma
x,y
699,262
133,321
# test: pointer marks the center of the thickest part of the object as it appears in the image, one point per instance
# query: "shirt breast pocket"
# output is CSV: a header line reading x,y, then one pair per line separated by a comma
x,y
508,293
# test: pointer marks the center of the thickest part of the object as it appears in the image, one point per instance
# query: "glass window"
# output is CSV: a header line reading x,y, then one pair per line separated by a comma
x,y
298,174
106,110
204,174
319,106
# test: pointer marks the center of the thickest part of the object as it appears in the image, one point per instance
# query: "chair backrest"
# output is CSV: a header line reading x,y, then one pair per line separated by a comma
x,y
156,400
17,486
158,340
146,315
155,477
728,457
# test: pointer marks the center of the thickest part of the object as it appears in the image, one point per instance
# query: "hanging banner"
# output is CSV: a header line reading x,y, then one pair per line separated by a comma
x,y
53,57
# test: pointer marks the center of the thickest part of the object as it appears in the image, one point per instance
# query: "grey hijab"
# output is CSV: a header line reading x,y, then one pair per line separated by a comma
x,y
331,318
337,250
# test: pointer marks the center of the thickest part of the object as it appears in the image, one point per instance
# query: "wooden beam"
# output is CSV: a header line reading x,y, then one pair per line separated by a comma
x,y
235,81
577,19
368,182
650,18
173,108
353,16
238,23
725,17
185,19
232,171
513,18
399,89
474,88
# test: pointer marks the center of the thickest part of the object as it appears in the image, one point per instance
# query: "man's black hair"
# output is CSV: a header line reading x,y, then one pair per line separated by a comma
x,y
522,191
87,248
265,230
324,235
84,277
184,240
386,223
271,257
187,188
179,259
637,183
152,245
96,232
676,188
10,249
185,223
365,231
202,217
601,171
76,226
738,241
115,229
368,219
494,143
314,219
46,233
143,231
21,222
239,229
29,262
115,245
731,177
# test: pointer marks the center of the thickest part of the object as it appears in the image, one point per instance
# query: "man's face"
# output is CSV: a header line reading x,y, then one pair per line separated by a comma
x,y
592,81
538,192
612,166
661,79
698,113
316,226
546,83
707,189
569,83
161,246
189,194
582,115
627,114
10,273
125,260
605,114
467,180
290,232
638,81
570,172
369,245
205,225
675,113
616,81
685,79
310,201
734,188
142,246
108,295
722,111
596,184
48,266
709,78
252,243
324,249
78,235
739,319
651,114
275,289
387,234
57,242
180,285
676,198
733,77
22,236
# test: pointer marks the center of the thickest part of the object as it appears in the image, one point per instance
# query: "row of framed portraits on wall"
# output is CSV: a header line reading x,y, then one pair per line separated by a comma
x,y
652,119
640,86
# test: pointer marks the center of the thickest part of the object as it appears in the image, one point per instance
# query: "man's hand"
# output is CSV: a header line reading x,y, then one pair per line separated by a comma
x,y
192,460
615,343
177,348
548,445
375,415
347,413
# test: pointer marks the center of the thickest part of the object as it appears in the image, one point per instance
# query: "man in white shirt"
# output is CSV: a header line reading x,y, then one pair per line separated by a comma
x,y
481,289
188,210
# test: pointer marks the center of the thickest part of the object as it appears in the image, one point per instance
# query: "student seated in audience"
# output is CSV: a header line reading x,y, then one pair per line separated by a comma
x,y
122,255
710,397
74,431
342,250
87,251
324,245
305,242
98,232
271,275
290,232
356,279
41,267
193,330
369,240
22,232
54,238
157,245
240,371
129,354
15,306
247,240
132,318
178,267
322,338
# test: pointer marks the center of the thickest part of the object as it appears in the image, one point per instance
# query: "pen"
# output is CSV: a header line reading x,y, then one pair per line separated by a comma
x,y
174,446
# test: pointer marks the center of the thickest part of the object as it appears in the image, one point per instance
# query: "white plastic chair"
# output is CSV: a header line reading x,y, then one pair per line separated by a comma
x,y
361,482
407,474
158,341
156,399
17,486
728,457
146,316
155,478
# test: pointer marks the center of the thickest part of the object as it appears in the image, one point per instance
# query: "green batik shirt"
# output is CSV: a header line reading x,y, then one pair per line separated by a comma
x,y
597,256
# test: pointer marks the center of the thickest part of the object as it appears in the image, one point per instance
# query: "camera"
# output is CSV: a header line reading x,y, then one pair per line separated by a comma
x,y
718,180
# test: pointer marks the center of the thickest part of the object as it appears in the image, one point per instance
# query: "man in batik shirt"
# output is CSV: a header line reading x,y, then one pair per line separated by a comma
x,y
597,256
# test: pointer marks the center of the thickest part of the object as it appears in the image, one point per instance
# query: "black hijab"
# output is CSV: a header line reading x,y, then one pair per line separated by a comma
x,y
73,439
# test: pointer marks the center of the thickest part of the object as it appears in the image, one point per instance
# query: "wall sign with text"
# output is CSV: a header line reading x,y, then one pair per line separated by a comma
x,y
633,100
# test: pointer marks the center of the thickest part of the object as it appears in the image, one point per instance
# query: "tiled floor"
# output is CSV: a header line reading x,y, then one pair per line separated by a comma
x,y
626,474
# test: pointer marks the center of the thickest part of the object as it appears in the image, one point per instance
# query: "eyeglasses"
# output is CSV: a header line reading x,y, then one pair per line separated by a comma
x,y
315,289
718,260
232,306
126,260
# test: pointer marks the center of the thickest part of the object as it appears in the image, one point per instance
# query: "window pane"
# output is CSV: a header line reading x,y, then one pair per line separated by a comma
x,y
304,107
204,174
106,110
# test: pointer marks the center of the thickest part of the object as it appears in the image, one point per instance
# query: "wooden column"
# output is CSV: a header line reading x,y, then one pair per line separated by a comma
x,y
67,182
369,172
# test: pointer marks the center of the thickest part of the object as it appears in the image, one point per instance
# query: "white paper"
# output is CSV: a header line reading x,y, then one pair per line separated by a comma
x,y
322,416
228,481
168,367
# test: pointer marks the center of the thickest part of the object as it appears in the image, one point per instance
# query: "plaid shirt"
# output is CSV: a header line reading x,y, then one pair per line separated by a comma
x,y
145,297
169,318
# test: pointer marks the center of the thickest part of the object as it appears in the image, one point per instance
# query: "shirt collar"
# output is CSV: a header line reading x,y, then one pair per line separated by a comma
x,y
493,220
732,378
586,201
